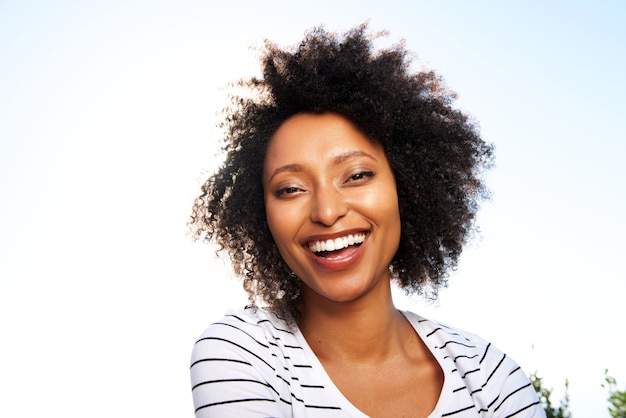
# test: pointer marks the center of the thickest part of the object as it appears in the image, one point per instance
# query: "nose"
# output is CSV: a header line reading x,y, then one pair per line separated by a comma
x,y
328,206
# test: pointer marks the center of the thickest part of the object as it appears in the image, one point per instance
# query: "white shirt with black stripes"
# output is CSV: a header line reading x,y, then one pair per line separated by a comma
x,y
251,364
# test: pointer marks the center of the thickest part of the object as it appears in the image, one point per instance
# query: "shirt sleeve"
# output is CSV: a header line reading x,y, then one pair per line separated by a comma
x,y
517,397
231,377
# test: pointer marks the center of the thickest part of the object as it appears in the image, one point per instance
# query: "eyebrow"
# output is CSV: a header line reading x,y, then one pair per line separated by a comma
x,y
297,168
292,168
352,154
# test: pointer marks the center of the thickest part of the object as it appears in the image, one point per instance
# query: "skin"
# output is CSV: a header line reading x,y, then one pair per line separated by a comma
x,y
323,179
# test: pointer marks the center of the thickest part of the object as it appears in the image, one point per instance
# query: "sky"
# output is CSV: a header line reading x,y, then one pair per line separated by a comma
x,y
107,130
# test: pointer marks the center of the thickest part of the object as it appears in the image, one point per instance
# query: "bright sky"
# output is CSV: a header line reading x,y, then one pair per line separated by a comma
x,y
107,112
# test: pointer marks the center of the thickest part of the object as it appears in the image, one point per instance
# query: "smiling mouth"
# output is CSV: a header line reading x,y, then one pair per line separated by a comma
x,y
328,247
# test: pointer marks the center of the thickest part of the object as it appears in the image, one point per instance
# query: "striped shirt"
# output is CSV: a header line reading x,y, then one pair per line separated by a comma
x,y
251,364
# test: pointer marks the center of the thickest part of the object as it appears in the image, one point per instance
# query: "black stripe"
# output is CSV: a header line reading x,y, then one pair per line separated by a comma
x,y
511,394
207,382
484,354
522,409
455,342
453,334
494,370
494,401
307,405
322,407
515,370
239,319
220,359
283,379
262,321
277,338
310,406
241,330
470,372
237,345
259,322
433,331
464,356
476,391
297,347
234,401
458,411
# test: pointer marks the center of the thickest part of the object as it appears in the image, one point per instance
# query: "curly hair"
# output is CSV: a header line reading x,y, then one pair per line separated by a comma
x,y
435,151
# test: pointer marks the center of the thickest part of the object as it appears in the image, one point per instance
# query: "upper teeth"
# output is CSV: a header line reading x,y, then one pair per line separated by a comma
x,y
337,243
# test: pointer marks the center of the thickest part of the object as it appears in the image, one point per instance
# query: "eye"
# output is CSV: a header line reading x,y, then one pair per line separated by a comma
x,y
361,175
289,190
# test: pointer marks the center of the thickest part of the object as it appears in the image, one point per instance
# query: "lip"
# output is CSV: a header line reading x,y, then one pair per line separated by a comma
x,y
352,255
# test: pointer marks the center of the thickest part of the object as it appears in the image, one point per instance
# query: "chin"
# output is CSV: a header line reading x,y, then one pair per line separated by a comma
x,y
347,293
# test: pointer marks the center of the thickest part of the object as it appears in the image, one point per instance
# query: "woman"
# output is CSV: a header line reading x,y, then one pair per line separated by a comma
x,y
344,172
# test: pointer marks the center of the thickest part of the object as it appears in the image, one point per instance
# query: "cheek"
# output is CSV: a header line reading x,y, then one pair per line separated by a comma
x,y
283,228
382,203
271,217
385,209
282,221
392,212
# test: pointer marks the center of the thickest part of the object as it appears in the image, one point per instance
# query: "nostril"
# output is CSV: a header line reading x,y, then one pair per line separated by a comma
x,y
328,214
328,205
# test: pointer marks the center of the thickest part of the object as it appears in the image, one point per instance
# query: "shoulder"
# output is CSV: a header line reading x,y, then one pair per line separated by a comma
x,y
249,322
241,333
478,371
235,364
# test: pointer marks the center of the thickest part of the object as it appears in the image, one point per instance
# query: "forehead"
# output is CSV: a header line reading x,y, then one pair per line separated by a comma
x,y
313,136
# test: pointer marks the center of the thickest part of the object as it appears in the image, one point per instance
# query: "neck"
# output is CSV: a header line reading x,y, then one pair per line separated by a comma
x,y
364,330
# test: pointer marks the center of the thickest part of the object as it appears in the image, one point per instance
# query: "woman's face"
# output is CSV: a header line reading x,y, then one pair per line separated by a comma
x,y
331,205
